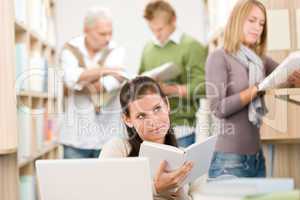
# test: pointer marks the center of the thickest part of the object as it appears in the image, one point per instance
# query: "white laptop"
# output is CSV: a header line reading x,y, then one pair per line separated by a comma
x,y
95,179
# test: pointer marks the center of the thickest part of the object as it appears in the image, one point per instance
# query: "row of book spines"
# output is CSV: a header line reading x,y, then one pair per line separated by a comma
x,y
37,14
35,130
31,72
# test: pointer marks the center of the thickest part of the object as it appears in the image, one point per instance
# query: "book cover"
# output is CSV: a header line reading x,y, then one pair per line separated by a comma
x,y
27,187
21,67
243,187
199,153
24,132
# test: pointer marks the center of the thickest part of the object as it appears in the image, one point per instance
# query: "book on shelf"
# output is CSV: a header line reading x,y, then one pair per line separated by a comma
x,y
24,132
54,79
21,67
38,115
281,74
51,134
37,73
46,73
199,153
27,187
51,128
34,7
44,19
20,11
51,38
39,16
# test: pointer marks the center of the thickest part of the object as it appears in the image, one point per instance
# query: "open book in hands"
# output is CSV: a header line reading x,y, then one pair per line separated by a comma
x,y
281,74
199,153
165,72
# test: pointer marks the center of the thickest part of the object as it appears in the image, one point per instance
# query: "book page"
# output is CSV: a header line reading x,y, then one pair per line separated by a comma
x,y
201,155
159,152
163,147
280,75
164,72
278,30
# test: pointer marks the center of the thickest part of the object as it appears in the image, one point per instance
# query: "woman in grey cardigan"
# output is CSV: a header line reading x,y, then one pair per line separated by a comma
x,y
232,75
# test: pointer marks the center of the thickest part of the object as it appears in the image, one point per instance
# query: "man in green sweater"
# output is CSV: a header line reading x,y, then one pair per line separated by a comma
x,y
171,45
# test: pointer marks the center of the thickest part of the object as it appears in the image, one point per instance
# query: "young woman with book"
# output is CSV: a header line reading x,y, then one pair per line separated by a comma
x,y
232,75
146,116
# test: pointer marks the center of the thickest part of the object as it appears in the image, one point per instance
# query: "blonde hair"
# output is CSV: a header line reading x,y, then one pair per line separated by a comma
x,y
157,7
233,34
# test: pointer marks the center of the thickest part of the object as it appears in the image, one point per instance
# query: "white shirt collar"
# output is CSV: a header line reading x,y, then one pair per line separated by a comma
x,y
174,37
79,42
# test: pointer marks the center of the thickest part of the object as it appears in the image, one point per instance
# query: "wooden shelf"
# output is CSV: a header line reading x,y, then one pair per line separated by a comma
x,y
281,130
284,91
34,36
20,27
8,151
48,148
32,45
33,94
280,123
283,140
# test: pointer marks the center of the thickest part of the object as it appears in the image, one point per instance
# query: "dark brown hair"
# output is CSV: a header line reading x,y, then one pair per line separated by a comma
x,y
132,91
159,6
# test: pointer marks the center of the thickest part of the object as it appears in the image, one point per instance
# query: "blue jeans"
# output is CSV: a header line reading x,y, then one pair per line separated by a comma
x,y
186,140
230,164
72,152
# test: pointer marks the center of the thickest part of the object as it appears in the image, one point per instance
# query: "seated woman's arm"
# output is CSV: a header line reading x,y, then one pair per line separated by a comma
x,y
166,183
115,148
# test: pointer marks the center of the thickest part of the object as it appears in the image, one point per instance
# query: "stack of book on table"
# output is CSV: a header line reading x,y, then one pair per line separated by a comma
x,y
249,189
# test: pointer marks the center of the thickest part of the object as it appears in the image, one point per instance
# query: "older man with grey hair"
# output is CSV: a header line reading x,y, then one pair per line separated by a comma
x,y
91,64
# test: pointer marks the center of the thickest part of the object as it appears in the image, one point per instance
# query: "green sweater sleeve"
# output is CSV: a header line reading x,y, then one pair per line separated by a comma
x,y
142,63
195,61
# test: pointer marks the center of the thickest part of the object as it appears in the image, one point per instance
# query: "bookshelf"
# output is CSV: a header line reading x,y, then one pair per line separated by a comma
x,y
280,130
30,107
8,133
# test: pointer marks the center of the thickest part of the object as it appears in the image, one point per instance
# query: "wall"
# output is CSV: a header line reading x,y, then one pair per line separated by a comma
x,y
130,29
